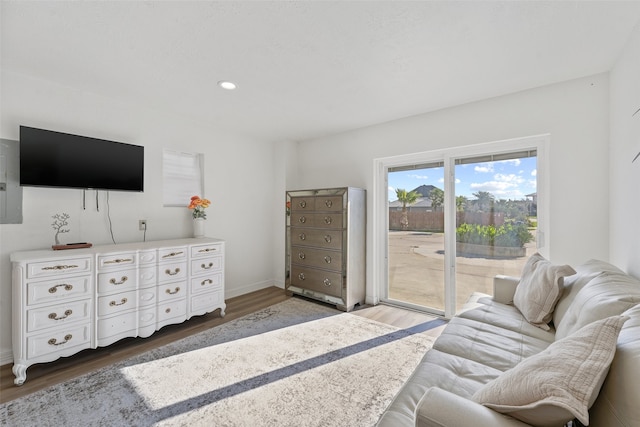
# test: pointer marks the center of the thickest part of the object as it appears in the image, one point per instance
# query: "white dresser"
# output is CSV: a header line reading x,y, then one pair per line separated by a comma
x,y
67,301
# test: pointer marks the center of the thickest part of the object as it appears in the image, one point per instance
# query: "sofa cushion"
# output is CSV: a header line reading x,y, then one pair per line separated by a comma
x,y
608,294
550,388
539,289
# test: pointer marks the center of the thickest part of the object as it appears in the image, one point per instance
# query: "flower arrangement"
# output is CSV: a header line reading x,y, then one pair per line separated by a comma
x,y
288,205
199,205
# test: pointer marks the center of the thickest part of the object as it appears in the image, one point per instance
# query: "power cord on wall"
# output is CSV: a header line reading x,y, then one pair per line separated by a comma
x,y
144,235
109,218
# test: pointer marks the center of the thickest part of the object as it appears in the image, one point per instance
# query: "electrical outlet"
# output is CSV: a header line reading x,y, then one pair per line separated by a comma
x,y
142,224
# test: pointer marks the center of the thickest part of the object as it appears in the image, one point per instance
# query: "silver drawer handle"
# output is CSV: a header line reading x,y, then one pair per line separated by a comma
x,y
327,238
207,250
54,289
176,271
118,261
54,341
328,203
54,316
172,254
168,310
327,220
174,292
302,236
327,259
205,281
302,219
301,255
207,267
59,267
301,276
114,304
327,282
122,280
303,204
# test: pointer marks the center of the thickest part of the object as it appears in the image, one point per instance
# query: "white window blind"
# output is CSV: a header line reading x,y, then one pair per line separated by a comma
x,y
181,177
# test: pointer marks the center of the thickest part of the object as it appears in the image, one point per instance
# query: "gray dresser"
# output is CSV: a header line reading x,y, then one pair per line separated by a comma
x,y
325,245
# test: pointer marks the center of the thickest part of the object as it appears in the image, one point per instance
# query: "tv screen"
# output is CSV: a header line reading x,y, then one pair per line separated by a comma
x,y
56,159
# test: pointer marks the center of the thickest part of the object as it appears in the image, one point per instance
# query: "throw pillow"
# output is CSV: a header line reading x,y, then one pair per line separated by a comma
x,y
561,382
539,289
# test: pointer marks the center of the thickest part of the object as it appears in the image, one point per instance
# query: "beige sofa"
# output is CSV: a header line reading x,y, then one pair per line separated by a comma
x,y
490,340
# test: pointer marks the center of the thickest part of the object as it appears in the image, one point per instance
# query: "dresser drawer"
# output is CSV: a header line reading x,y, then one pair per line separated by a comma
x,y
328,204
147,317
326,282
115,326
172,254
303,203
327,239
147,257
111,304
119,260
117,281
319,220
172,272
206,265
58,290
147,276
147,296
58,315
207,302
172,291
206,250
170,309
206,283
311,257
59,340
57,267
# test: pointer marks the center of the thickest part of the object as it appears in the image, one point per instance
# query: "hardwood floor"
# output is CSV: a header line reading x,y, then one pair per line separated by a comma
x,y
46,374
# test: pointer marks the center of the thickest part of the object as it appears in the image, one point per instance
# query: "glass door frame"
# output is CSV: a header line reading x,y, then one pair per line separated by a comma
x,y
380,217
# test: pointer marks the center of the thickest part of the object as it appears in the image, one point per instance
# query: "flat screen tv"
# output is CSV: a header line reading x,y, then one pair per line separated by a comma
x,y
56,159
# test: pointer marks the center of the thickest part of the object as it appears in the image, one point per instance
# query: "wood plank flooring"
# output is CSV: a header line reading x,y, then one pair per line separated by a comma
x,y
46,374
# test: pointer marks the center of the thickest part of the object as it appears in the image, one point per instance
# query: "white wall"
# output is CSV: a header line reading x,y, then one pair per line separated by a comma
x,y
240,179
625,144
574,113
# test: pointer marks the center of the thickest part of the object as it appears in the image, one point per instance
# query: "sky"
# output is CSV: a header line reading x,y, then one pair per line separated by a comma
x,y
506,179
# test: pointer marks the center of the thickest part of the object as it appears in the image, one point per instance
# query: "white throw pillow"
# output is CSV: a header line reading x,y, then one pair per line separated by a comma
x,y
539,289
559,383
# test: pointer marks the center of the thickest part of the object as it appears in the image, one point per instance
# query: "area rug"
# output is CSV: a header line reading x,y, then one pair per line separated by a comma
x,y
296,363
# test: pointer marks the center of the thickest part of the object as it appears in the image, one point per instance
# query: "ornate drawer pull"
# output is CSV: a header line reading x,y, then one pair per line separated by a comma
x,y
207,267
168,310
54,316
114,304
208,250
328,203
59,267
327,238
54,341
174,292
301,276
172,254
118,261
302,219
176,271
302,236
301,255
205,281
327,259
122,280
302,204
327,220
327,282
54,289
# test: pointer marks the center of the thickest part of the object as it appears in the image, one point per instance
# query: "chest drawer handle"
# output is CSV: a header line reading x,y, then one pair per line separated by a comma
x,y
205,281
54,316
301,276
301,255
59,267
208,250
302,220
118,261
327,238
176,271
327,259
302,236
328,203
207,267
303,204
123,301
54,289
172,254
54,341
168,310
174,292
327,282
327,220
122,280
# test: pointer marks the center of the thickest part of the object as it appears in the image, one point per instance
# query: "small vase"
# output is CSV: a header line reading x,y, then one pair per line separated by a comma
x,y
198,227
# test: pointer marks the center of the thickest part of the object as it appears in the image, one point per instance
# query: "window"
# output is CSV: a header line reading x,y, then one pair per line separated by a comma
x,y
181,177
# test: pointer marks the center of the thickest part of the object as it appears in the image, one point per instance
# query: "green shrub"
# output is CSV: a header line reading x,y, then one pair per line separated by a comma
x,y
507,235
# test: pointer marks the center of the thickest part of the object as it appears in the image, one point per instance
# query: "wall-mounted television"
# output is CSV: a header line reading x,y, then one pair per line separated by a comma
x,y
56,159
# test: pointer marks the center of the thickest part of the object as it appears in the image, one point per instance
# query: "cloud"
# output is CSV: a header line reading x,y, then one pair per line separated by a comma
x,y
503,186
484,168
534,172
414,176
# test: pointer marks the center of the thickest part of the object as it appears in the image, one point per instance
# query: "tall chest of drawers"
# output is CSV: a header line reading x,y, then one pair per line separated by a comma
x,y
67,301
325,245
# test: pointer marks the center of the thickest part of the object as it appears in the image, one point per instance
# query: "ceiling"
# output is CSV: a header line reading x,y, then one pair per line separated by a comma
x,y
310,69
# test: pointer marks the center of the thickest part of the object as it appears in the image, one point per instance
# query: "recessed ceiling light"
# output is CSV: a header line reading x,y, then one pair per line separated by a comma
x,y
227,85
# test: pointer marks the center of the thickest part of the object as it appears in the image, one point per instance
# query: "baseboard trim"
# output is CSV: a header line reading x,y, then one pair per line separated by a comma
x,y
236,292
6,357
